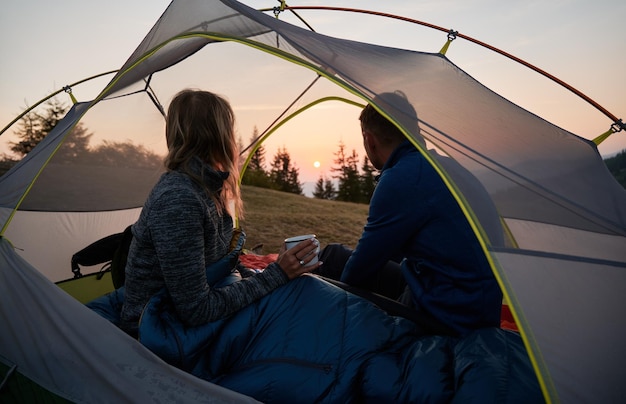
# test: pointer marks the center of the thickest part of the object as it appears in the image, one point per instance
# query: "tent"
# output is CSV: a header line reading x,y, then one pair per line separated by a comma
x,y
562,267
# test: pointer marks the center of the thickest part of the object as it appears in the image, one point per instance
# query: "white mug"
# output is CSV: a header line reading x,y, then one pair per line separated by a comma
x,y
292,241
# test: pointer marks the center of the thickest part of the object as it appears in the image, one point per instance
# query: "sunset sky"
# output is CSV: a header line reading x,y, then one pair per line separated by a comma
x,y
45,47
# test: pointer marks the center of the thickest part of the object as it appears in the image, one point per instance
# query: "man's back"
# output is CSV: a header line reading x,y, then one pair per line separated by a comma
x,y
414,217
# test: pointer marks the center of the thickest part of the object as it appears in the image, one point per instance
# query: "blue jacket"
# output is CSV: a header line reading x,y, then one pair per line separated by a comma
x,y
414,219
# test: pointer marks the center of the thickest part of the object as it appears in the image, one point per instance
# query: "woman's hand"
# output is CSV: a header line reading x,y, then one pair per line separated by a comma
x,y
294,260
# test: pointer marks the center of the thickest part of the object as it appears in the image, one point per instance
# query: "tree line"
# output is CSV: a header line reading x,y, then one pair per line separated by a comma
x,y
351,180
34,126
351,183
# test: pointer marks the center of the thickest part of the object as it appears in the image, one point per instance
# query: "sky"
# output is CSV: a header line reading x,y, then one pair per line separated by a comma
x,y
582,42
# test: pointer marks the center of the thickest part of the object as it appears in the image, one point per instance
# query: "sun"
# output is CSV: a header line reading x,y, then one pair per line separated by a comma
x,y
316,164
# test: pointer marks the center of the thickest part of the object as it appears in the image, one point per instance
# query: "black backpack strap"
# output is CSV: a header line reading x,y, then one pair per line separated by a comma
x,y
110,250
120,255
98,252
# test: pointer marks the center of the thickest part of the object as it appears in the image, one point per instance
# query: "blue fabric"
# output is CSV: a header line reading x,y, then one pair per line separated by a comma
x,y
414,218
109,306
310,341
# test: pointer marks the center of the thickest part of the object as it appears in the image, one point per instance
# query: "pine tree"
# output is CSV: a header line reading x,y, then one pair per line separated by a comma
x,y
284,175
329,189
324,188
349,181
257,161
368,180
31,134
256,174
34,127
76,146
319,188
338,168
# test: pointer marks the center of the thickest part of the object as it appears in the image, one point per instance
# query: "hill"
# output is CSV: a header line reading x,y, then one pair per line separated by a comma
x,y
272,216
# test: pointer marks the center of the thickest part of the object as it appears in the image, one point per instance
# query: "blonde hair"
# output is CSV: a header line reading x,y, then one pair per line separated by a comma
x,y
202,124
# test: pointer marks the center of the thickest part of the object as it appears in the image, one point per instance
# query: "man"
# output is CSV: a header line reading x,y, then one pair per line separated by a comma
x,y
414,220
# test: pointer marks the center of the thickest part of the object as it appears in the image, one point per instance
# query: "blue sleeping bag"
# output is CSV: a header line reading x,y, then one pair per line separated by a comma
x,y
311,341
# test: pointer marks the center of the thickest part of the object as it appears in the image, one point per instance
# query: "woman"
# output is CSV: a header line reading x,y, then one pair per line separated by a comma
x,y
185,224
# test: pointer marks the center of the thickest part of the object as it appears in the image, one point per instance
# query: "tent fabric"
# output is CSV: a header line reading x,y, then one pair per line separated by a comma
x,y
67,349
561,207
98,363
15,181
49,239
553,277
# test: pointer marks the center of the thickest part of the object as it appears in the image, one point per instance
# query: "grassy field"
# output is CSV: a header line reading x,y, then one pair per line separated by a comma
x,y
272,216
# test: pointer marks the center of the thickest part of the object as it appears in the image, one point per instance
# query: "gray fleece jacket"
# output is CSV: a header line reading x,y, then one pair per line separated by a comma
x,y
178,233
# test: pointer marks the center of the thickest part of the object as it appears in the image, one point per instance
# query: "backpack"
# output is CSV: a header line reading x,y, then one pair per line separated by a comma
x,y
111,250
